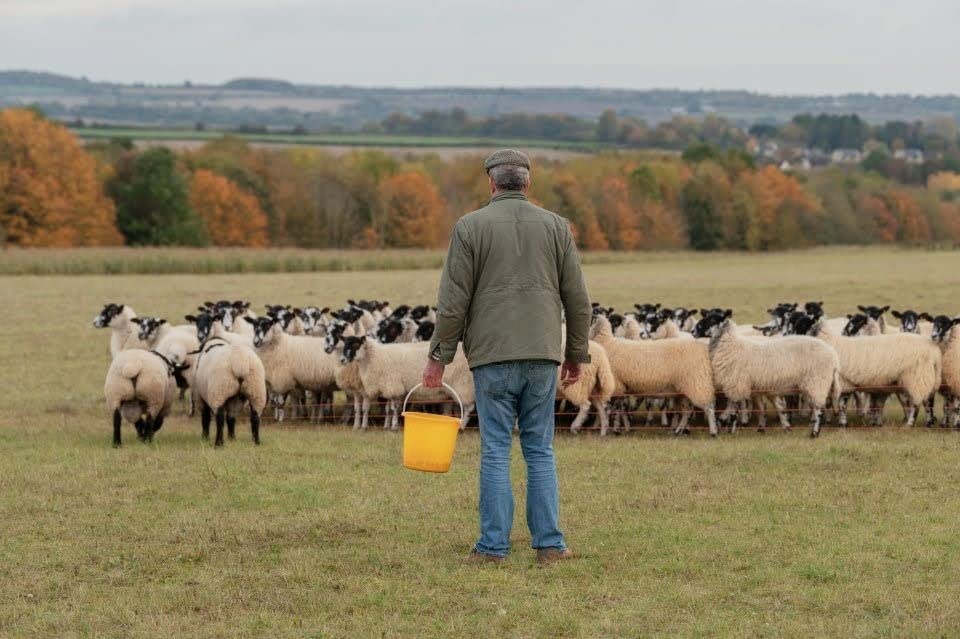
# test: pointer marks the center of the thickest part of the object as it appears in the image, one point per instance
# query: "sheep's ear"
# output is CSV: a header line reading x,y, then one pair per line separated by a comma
x,y
926,316
119,307
298,312
161,322
862,308
884,309
324,310
190,318
727,314
249,320
897,314
134,319
849,316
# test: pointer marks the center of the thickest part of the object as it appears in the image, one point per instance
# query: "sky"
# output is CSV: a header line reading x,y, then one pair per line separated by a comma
x,y
770,46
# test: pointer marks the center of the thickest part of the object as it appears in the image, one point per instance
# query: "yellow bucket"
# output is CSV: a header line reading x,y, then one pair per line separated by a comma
x,y
429,440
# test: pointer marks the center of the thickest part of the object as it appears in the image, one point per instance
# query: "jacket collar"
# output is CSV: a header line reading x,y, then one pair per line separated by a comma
x,y
508,195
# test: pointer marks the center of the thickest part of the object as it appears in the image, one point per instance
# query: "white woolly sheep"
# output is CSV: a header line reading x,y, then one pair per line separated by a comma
x,y
391,371
779,366
946,333
661,366
595,386
139,388
229,377
910,361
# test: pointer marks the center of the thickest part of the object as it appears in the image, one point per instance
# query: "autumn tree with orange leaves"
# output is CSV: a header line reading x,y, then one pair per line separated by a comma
x,y
231,216
412,212
50,190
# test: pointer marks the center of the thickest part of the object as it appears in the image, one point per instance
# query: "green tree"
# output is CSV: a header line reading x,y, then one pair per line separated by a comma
x,y
703,201
153,206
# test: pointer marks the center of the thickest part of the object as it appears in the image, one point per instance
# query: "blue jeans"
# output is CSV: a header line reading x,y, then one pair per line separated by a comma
x,y
509,392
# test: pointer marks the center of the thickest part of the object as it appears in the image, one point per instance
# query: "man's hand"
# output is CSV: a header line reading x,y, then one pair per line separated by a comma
x,y
433,374
569,373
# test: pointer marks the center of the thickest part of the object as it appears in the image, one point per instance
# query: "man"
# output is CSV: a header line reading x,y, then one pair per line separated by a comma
x,y
512,273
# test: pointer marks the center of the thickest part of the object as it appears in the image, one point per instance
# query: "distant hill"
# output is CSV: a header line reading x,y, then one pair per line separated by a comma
x,y
277,104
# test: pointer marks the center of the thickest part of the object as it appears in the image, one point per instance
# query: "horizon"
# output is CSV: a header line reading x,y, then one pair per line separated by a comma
x,y
427,87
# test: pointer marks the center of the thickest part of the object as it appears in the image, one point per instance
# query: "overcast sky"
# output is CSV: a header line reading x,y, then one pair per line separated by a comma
x,y
802,46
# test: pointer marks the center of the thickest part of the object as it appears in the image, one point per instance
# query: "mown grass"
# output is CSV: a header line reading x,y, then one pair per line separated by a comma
x,y
335,139
321,533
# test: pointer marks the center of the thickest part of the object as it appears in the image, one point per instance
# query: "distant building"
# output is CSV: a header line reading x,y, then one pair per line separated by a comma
x,y
910,156
846,156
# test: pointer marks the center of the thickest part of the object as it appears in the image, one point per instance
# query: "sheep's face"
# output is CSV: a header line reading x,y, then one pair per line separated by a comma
x,y
424,331
313,320
874,312
709,324
651,324
264,329
419,312
203,322
334,336
910,320
855,324
107,316
942,327
353,349
616,320
400,312
813,309
147,327
646,309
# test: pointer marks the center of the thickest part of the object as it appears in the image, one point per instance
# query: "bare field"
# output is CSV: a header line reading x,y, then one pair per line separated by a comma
x,y
321,533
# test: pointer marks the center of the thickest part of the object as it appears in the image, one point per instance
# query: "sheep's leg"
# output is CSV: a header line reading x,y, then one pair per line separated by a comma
x,y
761,409
158,423
911,414
117,422
141,430
387,410
357,411
928,406
147,429
815,421
955,411
727,413
842,410
205,415
220,420
279,401
193,404
581,417
781,405
602,418
231,427
710,412
255,426
667,407
348,407
682,423
366,413
396,415
745,412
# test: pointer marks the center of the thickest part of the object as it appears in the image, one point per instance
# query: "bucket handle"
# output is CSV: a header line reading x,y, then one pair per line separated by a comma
x,y
445,385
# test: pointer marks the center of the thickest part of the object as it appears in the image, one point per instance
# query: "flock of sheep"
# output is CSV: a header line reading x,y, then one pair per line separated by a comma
x,y
665,362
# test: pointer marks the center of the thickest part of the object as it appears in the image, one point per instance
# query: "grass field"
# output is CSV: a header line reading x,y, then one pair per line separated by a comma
x,y
332,139
321,533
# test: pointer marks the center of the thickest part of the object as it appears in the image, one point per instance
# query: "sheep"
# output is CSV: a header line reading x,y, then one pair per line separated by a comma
x,y
778,366
316,320
119,318
661,366
209,324
910,361
229,377
293,362
914,322
424,331
391,371
947,336
177,343
139,388
595,386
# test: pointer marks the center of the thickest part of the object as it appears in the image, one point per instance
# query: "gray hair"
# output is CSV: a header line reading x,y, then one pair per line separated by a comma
x,y
510,177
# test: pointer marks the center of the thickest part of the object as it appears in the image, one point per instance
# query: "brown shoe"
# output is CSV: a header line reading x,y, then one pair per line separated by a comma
x,y
551,555
476,558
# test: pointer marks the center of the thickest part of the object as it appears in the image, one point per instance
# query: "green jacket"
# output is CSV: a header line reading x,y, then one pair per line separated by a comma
x,y
511,269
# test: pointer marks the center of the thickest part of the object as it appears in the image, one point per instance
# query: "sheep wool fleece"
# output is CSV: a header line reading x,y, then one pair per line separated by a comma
x,y
511,274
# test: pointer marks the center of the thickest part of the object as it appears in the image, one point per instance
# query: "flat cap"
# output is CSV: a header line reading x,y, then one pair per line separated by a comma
x,y
506,156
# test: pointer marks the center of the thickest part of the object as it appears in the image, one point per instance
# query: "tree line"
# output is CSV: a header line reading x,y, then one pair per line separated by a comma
x,y
56,192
